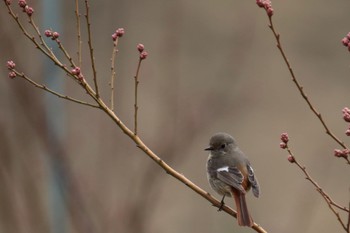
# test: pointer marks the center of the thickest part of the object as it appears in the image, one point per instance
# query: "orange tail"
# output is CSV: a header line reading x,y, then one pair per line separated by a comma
x,y
243,216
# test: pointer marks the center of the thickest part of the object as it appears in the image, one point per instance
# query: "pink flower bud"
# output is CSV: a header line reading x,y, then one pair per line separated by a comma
x,y
140,48
48,33
345,41
29,10
341,153
284,137
12,74
337,152
75,71
348,36
114,36
347,132
291,159
283,145
55,35
269,11
346,114
143,55
260,3
10,65
8,2
22,3
120,32
266,4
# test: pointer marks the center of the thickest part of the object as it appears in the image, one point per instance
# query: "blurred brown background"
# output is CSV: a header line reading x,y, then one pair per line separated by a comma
x,y
212,66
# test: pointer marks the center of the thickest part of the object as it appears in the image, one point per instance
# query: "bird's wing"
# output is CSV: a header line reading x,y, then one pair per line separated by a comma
x,y
253,181
231,176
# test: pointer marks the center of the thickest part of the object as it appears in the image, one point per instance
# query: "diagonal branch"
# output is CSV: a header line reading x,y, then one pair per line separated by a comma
x,y
167,168
46,52
42,46
42,41
331,204
301,88
43,87
66,54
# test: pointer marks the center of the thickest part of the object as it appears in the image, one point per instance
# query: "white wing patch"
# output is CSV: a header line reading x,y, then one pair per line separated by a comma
x,y
223,169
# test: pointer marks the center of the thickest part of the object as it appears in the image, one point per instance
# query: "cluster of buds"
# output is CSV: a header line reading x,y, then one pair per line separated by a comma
x,y
284,139
341,153
51,34
77,72
346,117
284,145
266,4
346,41
118,33
346,114
347,132
143,53
11,66
23,4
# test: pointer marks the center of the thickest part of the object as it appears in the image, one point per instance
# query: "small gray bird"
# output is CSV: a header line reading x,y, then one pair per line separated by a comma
x,y
230,174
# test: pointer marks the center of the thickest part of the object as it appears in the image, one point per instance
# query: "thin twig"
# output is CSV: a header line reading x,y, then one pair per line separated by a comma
x,y
136,77
66,54
77,16
44,44
91,49
42,41
301,88
113,73
32,38
46,51
49,54
43,87
331,204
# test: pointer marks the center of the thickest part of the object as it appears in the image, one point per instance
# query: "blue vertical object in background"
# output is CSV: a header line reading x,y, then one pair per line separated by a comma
x,y
55,120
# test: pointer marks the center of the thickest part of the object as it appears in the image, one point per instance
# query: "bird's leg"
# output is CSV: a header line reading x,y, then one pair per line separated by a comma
x,y
222,203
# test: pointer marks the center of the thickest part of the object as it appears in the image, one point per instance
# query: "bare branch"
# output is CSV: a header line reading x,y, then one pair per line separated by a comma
x,y
136,107
66,54
42,46
331,204
168,169
77,16
43,87
91,49
113,73
299,86
32,38
266,4
42,41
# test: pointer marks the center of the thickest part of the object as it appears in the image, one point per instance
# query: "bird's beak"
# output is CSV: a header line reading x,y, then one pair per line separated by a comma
x,y
209,148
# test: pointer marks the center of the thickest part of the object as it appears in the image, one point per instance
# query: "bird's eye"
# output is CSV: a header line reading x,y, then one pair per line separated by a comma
x,y
223,146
